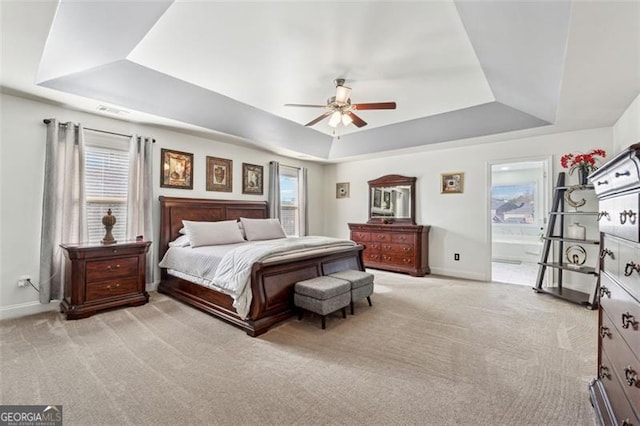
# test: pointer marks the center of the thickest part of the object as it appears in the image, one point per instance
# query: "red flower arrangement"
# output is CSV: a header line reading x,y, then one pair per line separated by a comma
x,y
586,162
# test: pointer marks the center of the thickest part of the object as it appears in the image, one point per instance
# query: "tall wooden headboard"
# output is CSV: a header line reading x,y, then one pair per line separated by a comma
x,y
173,210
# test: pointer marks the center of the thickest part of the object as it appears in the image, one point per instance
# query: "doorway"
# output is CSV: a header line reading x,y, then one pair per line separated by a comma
x,y
518,194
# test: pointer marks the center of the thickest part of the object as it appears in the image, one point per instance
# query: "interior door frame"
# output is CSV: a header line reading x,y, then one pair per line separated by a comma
x,y
547,187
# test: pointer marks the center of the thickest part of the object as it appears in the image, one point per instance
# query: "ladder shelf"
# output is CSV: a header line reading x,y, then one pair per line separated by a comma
x,y
555,234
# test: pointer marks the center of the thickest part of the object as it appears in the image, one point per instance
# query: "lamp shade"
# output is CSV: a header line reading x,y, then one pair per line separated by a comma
x,y
335,119
346,119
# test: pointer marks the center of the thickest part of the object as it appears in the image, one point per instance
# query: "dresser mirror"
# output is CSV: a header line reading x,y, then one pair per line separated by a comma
x,y
392,200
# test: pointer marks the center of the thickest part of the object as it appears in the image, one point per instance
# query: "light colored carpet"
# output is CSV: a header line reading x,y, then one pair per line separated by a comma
x,y
431,350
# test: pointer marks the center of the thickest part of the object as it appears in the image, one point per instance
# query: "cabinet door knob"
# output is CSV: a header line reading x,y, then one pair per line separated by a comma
x,y
114,250
625,173
603,182
630,375
112,267
627,422
628,320
603,214
604,372
604,332
630,267
605,291
407,249
606,252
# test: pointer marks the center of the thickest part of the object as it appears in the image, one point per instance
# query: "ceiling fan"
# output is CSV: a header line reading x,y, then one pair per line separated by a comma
x,y
340,108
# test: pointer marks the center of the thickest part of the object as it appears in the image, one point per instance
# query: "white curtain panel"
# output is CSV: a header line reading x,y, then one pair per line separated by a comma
x,y
140,198
304,201
274,190
64,219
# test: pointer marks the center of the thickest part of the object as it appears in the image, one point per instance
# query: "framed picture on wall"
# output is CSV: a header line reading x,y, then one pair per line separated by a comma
x,y
219,174
342,190
252,179
452,183
177,169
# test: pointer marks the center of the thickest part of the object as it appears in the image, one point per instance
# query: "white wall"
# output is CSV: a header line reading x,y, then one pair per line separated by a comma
x,y
626,131
22,145
459,222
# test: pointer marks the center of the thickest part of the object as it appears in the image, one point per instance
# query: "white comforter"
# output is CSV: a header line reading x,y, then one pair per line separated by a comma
x,y
231,274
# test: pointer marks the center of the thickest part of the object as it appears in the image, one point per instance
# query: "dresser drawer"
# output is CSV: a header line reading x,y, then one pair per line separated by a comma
x,y
398,249
402,238
359,236
372,247
615,392
398,260
623,176
100,270
610,254
380,237
110,288
371,256
622,309
629,268
624,364
626,218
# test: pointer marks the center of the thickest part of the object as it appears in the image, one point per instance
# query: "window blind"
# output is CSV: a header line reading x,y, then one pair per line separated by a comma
x,y
289,200
106,185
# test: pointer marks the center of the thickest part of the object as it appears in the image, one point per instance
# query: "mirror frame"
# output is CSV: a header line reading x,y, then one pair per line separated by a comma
x,y
388,181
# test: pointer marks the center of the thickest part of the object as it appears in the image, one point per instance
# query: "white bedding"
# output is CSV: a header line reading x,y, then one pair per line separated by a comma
x,y
227,268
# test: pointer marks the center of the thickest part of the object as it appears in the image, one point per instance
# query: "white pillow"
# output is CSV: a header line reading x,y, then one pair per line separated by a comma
x,y
182,231
181,241
212,233
262,229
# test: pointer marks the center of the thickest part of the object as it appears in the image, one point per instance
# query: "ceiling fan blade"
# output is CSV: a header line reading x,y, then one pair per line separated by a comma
x,y
306,105
316,120
375,105
357,121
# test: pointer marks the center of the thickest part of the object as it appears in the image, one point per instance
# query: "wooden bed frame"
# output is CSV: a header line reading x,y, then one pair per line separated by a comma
x,y
271,283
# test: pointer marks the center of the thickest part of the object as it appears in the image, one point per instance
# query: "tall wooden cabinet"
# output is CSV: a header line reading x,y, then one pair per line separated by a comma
x,y
615,393
398,248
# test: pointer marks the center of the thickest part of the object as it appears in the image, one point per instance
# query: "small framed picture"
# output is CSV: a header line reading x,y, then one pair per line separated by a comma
x,y
342,190
452,183
386,199
252,179
219,174
177,169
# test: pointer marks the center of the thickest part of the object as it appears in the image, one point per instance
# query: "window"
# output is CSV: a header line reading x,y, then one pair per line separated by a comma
x,y
106,183
290,199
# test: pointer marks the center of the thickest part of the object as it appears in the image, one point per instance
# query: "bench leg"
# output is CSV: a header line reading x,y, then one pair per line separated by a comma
x,y
324,322
351,304
344,313
300,314
369,300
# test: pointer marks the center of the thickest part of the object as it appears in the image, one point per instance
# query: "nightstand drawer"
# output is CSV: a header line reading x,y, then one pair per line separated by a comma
x,y
100,270
110,288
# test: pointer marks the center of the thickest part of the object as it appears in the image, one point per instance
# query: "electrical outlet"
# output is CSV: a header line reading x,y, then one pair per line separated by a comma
x,y
23,280
456,256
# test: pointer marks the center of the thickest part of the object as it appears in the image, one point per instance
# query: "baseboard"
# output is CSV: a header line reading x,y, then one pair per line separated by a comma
x,y
152,286
458,274
29,308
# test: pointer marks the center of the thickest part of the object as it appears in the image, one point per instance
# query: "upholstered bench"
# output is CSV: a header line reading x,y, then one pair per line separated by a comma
x,y
361,284
323,296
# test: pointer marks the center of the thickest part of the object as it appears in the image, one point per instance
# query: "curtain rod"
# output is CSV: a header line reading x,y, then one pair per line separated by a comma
x,y
47,121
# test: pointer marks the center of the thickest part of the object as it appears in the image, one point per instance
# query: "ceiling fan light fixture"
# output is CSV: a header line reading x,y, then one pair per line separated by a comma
x,y
346,119
335,119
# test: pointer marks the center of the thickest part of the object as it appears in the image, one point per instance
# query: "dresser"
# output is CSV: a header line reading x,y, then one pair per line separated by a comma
x,y
395,247
615,393
101,277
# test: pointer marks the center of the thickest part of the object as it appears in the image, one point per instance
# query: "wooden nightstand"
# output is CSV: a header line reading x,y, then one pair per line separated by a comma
x,y
101,276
